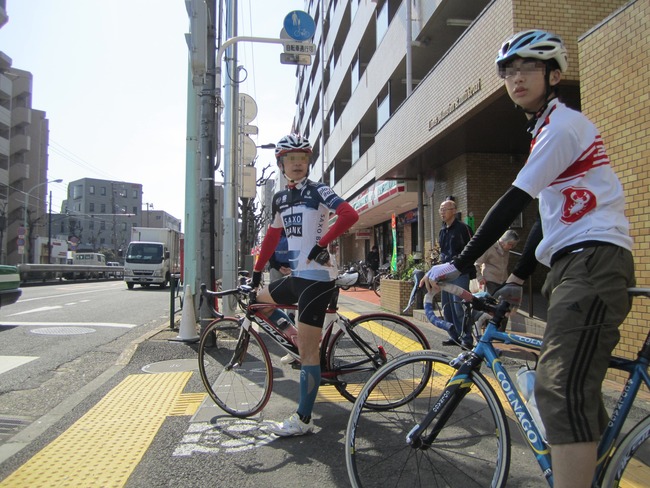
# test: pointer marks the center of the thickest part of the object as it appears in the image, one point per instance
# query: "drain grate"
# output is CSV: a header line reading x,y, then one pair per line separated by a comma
x,y
11,425
62,330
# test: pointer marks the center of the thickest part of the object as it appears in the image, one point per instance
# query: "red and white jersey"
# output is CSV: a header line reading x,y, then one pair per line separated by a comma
x,y
580,196
304,212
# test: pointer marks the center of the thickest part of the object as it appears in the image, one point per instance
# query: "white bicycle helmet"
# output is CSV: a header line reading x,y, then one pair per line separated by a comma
x,y
537,44
292,143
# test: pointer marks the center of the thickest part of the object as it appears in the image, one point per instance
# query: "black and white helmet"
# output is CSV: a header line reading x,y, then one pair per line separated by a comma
x,y
537,44
292,143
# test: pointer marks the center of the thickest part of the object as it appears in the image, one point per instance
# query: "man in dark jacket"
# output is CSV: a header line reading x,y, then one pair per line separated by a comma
x,y
452,238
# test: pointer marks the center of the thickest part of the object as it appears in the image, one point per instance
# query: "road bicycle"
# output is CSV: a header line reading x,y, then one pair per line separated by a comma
x,y
235,363
454,431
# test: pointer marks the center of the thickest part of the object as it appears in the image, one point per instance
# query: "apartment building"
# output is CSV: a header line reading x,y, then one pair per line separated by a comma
x,y
404,113
24,135
99,214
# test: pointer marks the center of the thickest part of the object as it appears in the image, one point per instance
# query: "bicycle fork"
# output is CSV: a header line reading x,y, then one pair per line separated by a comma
x,y
457,387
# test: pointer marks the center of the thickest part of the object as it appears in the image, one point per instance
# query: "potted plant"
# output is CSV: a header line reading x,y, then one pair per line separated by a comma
x,y
395,293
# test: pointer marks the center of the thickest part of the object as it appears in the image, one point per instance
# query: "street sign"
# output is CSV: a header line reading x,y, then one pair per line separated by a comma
x,y
300,48
248,107
299,25
249,150
301,59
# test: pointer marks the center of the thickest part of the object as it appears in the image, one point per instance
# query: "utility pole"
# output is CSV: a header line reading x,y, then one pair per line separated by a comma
x,y
230,260
208,145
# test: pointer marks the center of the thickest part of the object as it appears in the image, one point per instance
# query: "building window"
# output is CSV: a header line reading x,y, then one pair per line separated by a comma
x,y
383,107
382,22
102,191
91,189
355,72
135,193
135,210
91,225
102,208
77,192
123,226
91,207
102,225
356,145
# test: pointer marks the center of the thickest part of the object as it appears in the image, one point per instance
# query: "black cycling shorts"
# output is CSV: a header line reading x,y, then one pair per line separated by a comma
x,y
311,296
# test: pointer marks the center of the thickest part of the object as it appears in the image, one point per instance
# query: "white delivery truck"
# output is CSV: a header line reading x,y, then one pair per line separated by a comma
x,y
152,256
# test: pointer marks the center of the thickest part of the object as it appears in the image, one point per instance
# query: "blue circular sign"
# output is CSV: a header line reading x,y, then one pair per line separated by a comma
x,y
299,25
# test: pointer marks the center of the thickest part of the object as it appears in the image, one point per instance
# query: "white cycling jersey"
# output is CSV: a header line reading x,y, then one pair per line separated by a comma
x,y
580,197
304,212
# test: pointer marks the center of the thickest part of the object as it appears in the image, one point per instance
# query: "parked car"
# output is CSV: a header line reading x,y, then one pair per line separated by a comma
x,y
9,285
117,273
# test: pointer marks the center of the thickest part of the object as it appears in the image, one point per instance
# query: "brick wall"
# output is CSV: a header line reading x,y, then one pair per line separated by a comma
x,y
615,77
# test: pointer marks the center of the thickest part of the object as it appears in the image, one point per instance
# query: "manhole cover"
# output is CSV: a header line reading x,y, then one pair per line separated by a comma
x,y
62,330
172,366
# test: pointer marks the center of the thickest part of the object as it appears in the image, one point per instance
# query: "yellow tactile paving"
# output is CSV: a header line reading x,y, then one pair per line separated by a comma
x,y
187,404
104,446
398,340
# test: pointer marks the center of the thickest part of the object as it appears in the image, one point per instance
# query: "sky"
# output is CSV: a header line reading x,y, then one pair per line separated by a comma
x,y
112,79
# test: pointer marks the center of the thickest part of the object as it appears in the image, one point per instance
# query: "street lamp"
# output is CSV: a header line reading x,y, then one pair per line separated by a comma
x,y
59,180
149,207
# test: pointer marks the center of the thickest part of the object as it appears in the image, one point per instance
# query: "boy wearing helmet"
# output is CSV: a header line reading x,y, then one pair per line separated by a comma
x,y
583,238
303,211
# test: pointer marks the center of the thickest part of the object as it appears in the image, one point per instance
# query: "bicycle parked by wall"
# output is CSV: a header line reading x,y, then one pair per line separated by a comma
x,y
235,363
454,431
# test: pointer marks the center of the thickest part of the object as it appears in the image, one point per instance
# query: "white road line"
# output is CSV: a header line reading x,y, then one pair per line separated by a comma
x,y
10,362
42,309
4,323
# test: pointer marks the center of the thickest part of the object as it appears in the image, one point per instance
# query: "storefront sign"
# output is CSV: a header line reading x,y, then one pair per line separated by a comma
x,y
469,92
363,234
379,192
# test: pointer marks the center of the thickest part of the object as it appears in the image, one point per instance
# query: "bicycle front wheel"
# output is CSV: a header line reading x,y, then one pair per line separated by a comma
x,y
630,463
235,367
382,337
471,449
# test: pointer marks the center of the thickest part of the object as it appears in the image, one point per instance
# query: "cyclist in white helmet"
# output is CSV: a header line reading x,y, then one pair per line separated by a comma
x,y
303,210
585,241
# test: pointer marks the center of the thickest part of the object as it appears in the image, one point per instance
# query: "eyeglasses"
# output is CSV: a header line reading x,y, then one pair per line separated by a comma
x,y
524,69
297,157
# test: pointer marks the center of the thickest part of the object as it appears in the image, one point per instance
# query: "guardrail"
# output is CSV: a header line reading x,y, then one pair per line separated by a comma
x,y
36,272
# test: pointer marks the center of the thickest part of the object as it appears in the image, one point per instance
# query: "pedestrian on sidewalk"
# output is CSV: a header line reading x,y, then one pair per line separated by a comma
x,y
452,238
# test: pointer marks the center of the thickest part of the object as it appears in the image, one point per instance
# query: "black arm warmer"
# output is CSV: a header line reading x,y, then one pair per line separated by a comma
x,y
496,222
527,262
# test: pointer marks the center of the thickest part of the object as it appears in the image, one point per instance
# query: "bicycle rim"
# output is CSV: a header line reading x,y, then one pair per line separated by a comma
x,y
235,367
386,337
630,462
472,449
376,285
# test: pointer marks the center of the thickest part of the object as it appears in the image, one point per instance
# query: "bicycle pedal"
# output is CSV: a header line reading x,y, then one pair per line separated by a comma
x,y
296,365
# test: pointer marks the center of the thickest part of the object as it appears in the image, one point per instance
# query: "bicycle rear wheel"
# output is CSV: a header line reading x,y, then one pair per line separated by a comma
x,y
376,284
235,367
630,463
384,337
471,449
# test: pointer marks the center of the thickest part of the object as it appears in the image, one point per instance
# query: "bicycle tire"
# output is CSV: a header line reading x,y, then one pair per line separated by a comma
x,y
394,334
242,389
633,452
376,284
471,449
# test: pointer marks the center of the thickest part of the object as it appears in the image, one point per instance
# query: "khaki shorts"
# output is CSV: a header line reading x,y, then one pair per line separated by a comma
x,y
588,300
